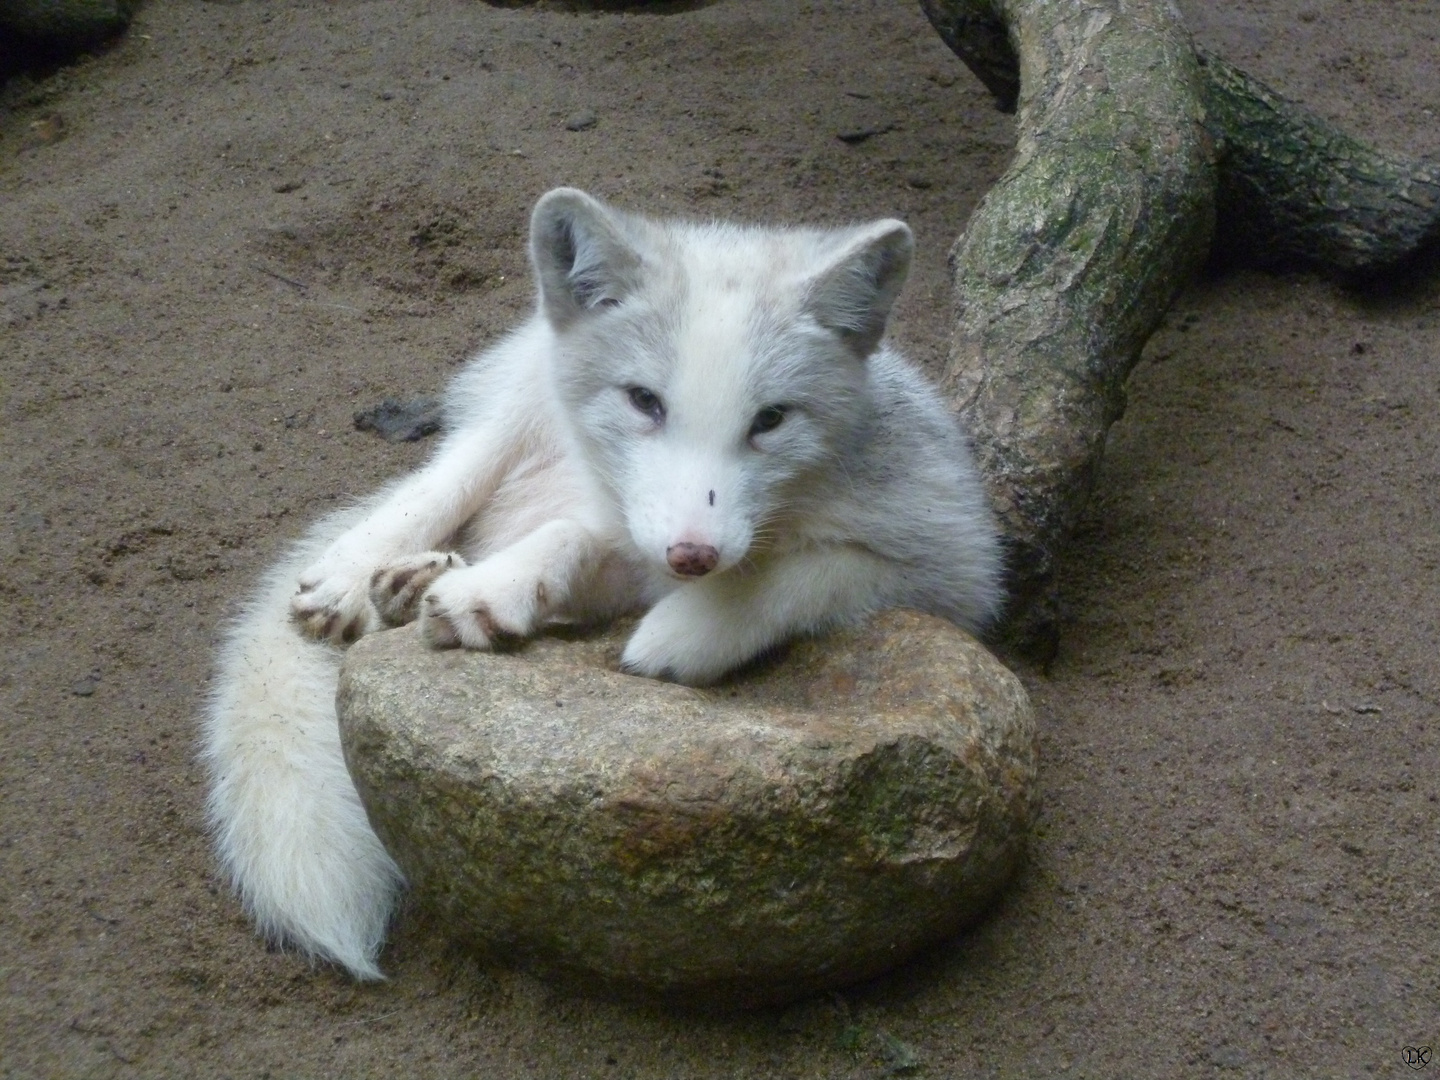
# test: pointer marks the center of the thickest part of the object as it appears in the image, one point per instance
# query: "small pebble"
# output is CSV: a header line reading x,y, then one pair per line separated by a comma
x,y
48,130
859,135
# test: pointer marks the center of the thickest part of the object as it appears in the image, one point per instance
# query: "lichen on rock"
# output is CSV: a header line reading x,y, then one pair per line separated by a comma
x,y
808,824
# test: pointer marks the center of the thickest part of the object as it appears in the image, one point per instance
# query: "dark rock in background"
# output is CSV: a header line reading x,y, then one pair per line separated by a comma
x,y
40,34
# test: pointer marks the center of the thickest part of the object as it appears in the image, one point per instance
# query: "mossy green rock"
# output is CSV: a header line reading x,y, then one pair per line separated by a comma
x,y
811,823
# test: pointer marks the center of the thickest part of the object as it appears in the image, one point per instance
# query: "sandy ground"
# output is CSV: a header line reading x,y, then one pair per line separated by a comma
x,y
254,218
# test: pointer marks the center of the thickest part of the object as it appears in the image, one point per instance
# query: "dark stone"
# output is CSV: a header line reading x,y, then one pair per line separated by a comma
x,y
402,421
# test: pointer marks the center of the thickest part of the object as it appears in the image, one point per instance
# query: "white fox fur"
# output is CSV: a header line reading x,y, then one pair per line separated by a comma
x,y
699,419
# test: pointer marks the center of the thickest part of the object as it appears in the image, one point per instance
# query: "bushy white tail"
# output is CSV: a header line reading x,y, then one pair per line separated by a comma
x,y
289,826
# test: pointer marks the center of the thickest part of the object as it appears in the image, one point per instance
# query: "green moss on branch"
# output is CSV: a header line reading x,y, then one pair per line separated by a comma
x,y
1071,260
1128,143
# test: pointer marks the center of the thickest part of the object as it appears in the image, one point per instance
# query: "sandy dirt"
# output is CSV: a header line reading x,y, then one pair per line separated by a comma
x,y
252,219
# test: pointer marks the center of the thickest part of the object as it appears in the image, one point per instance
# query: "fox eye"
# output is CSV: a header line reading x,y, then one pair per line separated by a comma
x,y
767,419
647,402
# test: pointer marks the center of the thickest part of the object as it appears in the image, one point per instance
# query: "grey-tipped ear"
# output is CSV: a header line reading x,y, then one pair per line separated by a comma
x,y
853,293
582,259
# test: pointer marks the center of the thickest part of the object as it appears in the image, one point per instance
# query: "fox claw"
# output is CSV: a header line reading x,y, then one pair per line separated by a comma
x,y
331,612
395,590
475,628
485,606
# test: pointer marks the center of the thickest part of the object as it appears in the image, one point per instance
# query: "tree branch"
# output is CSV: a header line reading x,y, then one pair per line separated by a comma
x,y
1070,261
1296,190
1128,143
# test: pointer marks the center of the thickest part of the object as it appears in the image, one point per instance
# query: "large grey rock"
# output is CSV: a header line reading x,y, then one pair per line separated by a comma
x,y
810,824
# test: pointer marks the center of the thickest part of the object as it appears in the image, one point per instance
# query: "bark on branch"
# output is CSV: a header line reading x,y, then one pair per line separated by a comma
x,y
1127,144
1071,259
1294,189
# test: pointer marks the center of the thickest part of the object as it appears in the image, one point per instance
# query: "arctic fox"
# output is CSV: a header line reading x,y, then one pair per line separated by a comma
x,y
699,420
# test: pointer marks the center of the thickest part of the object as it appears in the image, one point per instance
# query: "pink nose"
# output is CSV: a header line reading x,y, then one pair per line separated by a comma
x,y
692,560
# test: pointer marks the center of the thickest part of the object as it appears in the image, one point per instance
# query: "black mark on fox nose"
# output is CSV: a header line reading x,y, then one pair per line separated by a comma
x,y
712,498
692,560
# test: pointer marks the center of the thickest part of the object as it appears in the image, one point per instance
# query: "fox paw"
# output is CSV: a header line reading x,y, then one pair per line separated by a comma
x,y
334,607
680,639
395,589
480,608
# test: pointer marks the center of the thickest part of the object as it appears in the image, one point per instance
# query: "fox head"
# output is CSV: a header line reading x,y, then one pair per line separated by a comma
x,y
711,373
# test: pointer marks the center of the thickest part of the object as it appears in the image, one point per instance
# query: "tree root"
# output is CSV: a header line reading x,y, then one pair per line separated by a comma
x,y
1129,145
1296,190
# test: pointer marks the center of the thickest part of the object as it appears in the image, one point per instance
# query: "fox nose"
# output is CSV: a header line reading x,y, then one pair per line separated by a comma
x,y
692,560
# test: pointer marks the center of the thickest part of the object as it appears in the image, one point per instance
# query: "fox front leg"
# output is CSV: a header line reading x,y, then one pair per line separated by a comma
x,y
513,593
709,627
360,582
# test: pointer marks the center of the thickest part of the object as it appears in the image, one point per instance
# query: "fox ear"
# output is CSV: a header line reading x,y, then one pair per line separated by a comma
x,y
582,258
853,292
